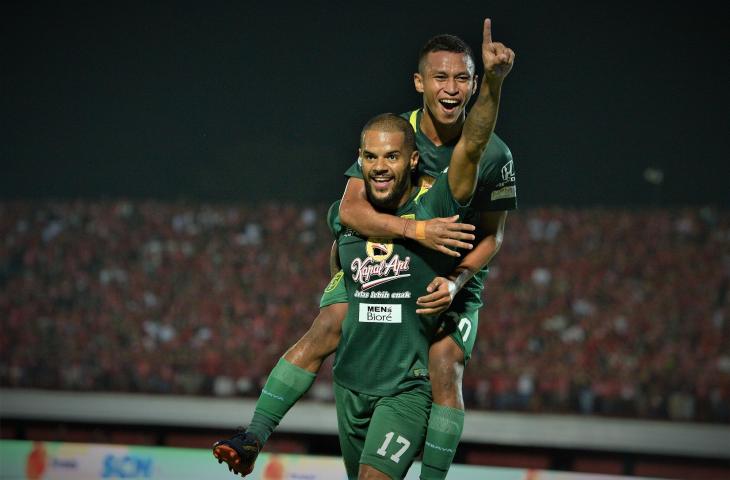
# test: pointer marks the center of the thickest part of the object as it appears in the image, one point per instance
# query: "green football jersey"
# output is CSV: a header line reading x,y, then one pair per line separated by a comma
x,y
384,345
496,186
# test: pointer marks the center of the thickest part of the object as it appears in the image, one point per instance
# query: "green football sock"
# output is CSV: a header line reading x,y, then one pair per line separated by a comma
x,y
286,384
442,437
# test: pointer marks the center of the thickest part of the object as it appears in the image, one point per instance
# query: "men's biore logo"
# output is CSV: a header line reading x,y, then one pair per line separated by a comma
x,y
380,272
380,313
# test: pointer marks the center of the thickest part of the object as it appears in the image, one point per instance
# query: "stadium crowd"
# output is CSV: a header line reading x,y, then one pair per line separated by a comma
x,y
595,311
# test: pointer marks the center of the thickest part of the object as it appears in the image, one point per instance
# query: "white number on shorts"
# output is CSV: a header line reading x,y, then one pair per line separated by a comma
x,y
465,328
396,456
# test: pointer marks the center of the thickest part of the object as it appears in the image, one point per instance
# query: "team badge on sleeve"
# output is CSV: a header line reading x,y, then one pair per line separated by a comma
x,y
335,280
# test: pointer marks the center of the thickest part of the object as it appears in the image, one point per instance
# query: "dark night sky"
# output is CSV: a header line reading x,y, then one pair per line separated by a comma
x,y
227,101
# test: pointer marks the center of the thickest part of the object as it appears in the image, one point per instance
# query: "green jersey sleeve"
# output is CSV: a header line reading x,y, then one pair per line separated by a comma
x,y
333,219
438,201
355,170
497,185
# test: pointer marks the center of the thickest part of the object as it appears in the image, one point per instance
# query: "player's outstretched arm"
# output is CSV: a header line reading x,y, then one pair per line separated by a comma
x,y
479,125
442,234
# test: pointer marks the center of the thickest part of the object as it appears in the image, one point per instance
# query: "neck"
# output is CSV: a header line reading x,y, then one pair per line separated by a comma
x,y
440,133
393,207
407,195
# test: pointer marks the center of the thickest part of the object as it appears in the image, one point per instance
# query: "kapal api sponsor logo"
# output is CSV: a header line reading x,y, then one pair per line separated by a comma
x,y
380,266
369,273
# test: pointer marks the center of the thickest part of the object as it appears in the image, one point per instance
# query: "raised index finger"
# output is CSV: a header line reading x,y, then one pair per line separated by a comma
x,y
487,35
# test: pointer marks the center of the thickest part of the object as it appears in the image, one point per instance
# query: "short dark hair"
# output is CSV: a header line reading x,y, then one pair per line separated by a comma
x,y
444,43
390,122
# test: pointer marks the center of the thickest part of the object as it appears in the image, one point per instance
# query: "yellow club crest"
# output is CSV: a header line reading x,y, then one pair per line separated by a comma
x,y
379,249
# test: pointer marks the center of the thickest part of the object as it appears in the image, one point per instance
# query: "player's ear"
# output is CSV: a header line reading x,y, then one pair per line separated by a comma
x,y
359,156
474,84
418,82
414,160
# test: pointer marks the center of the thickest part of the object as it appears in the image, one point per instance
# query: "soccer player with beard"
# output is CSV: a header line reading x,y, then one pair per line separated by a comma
x,y
446,78
382,391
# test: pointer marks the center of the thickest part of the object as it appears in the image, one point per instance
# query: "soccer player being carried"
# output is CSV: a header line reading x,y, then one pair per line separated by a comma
x,y
384,410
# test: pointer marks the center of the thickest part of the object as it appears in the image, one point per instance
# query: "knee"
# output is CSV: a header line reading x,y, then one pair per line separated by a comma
x,y
446,359
446,369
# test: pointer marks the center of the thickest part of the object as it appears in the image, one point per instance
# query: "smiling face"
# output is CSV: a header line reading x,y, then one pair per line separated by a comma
x,y
447,82
387,164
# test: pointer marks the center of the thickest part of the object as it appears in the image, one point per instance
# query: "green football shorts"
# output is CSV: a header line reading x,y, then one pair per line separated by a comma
x,y
459,321
461,325
386,433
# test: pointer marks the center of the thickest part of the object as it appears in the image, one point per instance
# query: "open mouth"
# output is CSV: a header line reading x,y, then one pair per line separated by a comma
x,y
449,104
381,182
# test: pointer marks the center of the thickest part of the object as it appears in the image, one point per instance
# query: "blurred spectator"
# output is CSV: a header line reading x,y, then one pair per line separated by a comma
x,y
593,311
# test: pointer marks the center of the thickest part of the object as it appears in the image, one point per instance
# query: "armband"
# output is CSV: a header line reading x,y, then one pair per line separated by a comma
x,y
420,230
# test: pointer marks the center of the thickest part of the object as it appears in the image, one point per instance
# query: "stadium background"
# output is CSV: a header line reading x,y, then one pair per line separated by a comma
x,y
176,160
